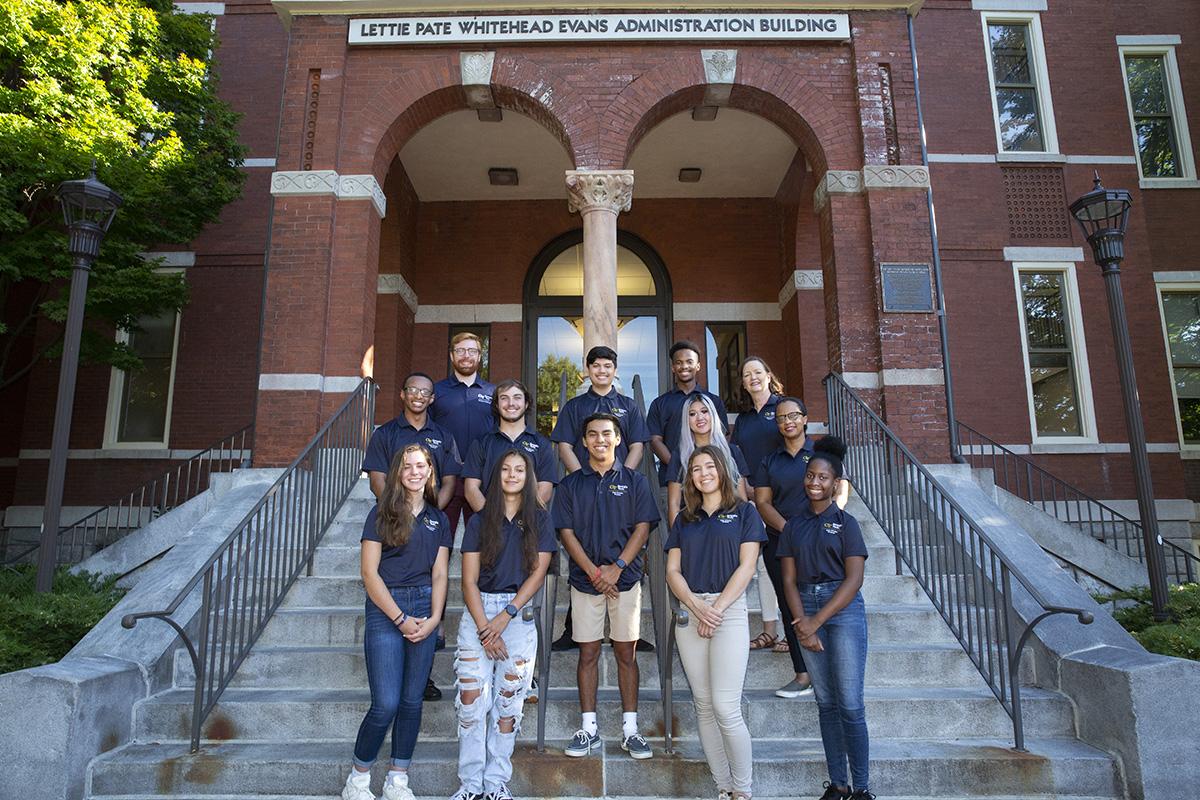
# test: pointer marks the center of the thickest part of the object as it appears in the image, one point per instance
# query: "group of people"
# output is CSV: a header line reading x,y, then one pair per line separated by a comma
x,y
765,499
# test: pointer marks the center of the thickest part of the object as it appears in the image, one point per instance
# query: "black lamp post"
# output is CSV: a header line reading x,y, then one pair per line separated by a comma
x,y
88,209
1103,214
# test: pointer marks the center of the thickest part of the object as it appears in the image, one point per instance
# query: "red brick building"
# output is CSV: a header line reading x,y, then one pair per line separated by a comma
x,y
762,167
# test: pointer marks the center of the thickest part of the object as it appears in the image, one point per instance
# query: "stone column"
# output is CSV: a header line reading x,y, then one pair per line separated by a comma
x,y
599,196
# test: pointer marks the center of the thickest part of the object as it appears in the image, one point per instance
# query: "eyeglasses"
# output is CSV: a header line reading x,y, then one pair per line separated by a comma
x,y
419,391
465,351
794,416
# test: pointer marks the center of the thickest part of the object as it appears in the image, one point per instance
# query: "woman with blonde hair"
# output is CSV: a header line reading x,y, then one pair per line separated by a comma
x,y
700,425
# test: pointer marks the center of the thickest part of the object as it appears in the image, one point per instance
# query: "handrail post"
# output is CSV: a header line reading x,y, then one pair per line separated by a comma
x,y
200,663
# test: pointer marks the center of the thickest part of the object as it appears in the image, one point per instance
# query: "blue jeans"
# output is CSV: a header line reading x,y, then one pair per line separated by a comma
x,y
397,671
837,676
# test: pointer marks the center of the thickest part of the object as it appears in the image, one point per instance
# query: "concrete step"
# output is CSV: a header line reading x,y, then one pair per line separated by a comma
x,y
348,591
343,625
345,668
893,712
555,797
899,767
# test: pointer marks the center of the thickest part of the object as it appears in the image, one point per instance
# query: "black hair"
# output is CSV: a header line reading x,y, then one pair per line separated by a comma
x,y
683,344
491,534
831,450
789,399
416,375
600,351
600,415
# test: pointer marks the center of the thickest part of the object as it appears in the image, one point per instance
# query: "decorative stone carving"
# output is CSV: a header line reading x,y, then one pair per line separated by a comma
x,y
300,182
720,66
362,187
477,78
895,176
610,190
837,181
801,279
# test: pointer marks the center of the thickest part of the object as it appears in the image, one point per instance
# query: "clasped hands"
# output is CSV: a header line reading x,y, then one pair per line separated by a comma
x,y
491,636
708,617
806,634
604,580
417,629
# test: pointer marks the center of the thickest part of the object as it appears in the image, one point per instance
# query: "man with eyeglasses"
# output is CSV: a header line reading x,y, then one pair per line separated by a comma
x,y
463,407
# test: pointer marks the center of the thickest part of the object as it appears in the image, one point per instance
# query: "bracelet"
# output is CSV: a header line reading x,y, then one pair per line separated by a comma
x,y
400,619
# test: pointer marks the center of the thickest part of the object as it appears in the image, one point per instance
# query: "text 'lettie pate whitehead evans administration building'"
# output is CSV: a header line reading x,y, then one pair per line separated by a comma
x,y
752,177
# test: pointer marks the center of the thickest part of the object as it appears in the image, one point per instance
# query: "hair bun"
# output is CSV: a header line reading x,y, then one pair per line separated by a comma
x,y
831,445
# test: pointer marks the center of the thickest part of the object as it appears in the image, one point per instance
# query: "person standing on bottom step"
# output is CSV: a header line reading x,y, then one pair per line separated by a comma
x,y
712,554
505,554
406,544
823,557
603,513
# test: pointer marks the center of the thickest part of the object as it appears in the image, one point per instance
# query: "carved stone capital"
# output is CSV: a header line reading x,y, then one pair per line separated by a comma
x,y
895,176
837,181
608,190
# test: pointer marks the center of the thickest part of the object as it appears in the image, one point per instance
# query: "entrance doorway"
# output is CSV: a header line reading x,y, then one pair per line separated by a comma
x,y
554,321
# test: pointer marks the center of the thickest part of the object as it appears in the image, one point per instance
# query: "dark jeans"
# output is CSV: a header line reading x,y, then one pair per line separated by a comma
x,y
458,505
775,570
838,674
397,671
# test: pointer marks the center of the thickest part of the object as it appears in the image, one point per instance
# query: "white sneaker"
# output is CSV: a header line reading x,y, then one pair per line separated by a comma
x,y
357,790
397,789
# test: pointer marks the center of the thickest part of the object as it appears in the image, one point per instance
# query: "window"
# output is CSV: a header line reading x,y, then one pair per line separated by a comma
x,y
1157,118
484,332
725,347
1181,326
1020,87
1055,360
139,401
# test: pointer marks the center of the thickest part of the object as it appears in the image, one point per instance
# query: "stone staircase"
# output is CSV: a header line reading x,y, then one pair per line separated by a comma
x,y
285,727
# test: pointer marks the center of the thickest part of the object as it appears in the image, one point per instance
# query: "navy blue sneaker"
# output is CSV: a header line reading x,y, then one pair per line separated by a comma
x,y
582,744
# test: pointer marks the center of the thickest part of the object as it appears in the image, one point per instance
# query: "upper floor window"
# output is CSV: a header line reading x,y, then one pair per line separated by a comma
x,y
1181,324
1020,89
139,401
1157,118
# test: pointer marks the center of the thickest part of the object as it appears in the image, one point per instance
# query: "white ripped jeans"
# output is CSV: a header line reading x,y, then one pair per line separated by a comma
x,y
484,752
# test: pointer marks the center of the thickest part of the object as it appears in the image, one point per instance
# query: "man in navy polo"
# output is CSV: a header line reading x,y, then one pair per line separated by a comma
x,y
603,512
665,417
463,406
414,426
510,401
600,398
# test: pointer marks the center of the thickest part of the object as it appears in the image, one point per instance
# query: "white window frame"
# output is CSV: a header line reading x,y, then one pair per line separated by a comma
x,y
1162,287
1183,136
112,421
1041,77
1087,413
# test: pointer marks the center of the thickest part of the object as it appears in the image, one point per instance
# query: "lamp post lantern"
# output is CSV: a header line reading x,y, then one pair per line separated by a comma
x,y
88,209
1103,214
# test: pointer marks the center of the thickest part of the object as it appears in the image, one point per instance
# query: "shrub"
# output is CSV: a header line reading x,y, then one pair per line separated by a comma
x,y
40,629
1178,636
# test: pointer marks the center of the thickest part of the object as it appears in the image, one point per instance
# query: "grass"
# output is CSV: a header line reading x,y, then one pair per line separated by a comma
x,y
1178,636
38,629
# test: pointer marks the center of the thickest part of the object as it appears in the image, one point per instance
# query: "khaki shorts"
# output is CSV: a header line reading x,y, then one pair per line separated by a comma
x,y
624,615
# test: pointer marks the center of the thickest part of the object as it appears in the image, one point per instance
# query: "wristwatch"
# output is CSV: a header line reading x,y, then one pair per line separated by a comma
x,y
622,563
511,610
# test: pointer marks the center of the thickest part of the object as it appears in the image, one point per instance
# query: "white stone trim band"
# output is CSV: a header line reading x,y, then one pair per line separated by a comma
x,y
702,312
894,377
1068,449
1073,254
1008,5
467,313
1040,158
895,176
258,162
136,453
307,382
180,259
328,182
1177,277
1152,40
216,9
394,283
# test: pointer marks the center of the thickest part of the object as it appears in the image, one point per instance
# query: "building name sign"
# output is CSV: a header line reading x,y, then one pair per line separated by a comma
x,y
590,27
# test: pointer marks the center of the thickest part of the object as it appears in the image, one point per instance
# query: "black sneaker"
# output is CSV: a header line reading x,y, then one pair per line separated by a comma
x,y
501,792
564,642
861,794
833,793
432,692
463,794
644,647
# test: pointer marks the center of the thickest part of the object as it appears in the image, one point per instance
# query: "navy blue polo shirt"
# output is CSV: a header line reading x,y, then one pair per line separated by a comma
x,y
710,547
821,543
603,510
508,572
665,419
491,447
393,436
569,427
411,564
463,410
784,473
757,434
678,467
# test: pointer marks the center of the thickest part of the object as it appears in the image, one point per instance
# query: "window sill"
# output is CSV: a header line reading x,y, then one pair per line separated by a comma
x,y
1034,158
1169,183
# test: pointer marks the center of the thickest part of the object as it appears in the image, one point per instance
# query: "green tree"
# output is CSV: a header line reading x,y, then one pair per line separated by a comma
x,y
549,378
129,84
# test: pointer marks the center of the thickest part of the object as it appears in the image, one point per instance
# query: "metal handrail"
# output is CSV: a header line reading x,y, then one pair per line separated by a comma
x,y
1023,478
151,500
246,579
966,576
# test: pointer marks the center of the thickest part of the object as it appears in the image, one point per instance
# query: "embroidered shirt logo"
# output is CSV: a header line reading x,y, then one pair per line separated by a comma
x,y
530,447
768,415
619,412
433,442
483,398
618,489
833,527
727,519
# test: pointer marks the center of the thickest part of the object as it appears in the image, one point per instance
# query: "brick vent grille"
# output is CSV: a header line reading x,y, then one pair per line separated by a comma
x,y
1037,206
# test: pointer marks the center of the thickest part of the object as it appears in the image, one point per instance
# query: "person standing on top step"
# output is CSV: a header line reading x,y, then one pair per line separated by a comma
x,y
712,553
510,401
823,556
405,559
663,420
462,405
698,427
506,551
603,513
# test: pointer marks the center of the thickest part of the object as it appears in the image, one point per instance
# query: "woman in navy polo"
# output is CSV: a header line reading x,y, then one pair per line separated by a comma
x,y
712,553
506,551
823,557
699,424
406,544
